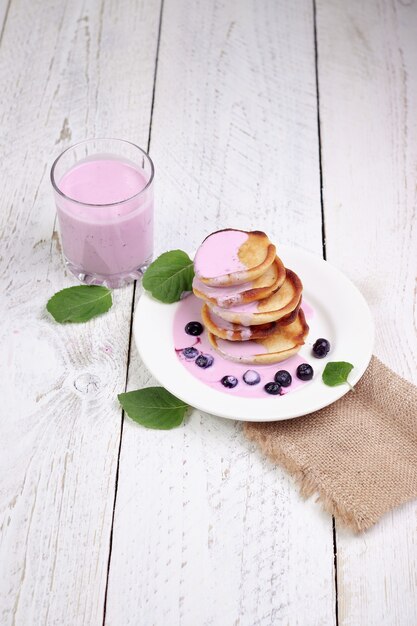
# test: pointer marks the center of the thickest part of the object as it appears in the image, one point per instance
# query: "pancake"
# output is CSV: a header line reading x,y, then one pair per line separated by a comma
x,y
235,332
278,346
262,287
277,306
231,257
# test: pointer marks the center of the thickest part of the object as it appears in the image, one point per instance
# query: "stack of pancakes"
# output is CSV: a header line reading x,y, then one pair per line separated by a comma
x,y
251,301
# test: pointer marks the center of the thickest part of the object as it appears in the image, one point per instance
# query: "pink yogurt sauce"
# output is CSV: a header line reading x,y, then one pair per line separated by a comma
x,y
308,310
189,310
218,254
106,239
249,307
252,307
246,333
241,348
244,311
224,296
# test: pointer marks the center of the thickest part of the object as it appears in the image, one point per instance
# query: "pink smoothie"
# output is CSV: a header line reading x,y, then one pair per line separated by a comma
x,y
218,255
108,239
189,310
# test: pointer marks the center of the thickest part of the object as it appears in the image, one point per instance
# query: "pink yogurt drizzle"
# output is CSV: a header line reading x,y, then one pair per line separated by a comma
x,y
249,307
222,295
189,310
218,254
308,309
246,348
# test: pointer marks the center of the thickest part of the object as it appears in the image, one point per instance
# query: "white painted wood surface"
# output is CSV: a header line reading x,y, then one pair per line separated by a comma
x,y
206,531
368,97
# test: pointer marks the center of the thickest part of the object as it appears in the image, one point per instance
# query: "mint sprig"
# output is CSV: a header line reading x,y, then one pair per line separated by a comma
x,y
153,407
169,276
79,304
336,373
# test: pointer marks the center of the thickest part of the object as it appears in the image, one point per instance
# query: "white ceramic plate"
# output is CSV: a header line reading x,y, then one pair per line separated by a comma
x,y
341,315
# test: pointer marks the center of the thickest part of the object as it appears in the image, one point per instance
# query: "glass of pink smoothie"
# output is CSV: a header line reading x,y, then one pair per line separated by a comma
x,y
104,198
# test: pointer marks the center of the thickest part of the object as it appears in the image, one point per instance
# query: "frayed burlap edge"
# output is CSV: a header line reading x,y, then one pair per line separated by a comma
x,y
387,405
308,484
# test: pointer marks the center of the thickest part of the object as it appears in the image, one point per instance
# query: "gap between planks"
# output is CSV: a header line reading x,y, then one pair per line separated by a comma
x,y
6,15
316,66
323,241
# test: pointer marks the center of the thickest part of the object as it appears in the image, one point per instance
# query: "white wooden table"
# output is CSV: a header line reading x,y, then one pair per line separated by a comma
x,y
298,118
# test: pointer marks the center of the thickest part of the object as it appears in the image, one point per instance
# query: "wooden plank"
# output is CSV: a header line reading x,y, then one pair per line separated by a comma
x,y
368,96
206,530
67,68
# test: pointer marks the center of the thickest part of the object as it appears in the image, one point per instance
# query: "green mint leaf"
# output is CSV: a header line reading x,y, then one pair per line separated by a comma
x,y
169,276
336,373
79,304
153,407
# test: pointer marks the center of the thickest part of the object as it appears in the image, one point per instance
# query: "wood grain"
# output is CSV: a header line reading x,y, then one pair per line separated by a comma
x,y
368,97
206,530
67,69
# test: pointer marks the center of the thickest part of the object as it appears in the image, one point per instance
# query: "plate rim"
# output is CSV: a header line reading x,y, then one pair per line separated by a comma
x,y
331,395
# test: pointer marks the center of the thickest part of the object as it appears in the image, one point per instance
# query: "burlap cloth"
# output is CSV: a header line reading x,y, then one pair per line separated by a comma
x,y
359,454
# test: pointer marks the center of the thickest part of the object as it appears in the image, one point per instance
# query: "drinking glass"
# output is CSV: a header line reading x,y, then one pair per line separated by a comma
x,y
103,192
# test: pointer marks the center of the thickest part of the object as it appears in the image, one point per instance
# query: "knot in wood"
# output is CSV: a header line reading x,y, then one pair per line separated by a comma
x,y
87,383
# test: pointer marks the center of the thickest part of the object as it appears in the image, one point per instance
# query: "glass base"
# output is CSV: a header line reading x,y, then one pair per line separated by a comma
x,y
112,281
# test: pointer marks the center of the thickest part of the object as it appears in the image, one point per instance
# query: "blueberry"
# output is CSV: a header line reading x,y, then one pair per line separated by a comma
x,y
273,388
194,328
190,353
305,371
283,377
229,381
251,377
204,361
321,348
